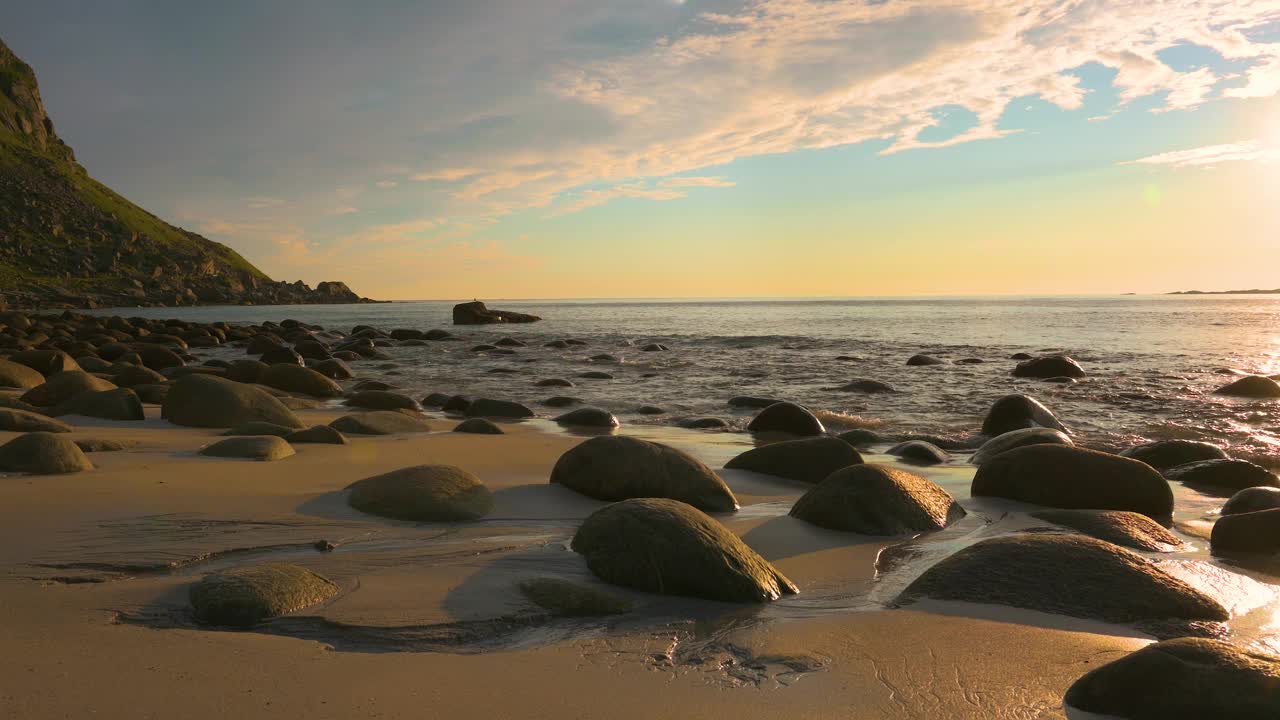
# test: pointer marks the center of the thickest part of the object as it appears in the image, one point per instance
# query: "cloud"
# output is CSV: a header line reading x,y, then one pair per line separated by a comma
x,y
344,210
448,175
386,184
666,189
694,181
1247,151
263,202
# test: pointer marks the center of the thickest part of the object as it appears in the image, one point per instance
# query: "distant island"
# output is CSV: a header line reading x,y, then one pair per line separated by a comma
x,y
1226,292
68,241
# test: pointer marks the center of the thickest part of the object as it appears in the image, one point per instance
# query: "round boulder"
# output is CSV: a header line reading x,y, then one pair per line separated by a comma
x,y
1005,442
1129,529
14,420
919,452
333,368
298,379
1251,500
1254,386
250,447
316,435
45,362
1068,575
1074,478
1015,412
570,599
486,407
620,468
1165,454
257,427
423,493
665,546
554,382
924,360
243,597
870,387
42,453
382,400
63,386
787,417
702,423
131,375
380,422
246,370
212,402
1228,475
1052,366
1183,679
590,417
808,460
877,500
17,375
478,426
1251,533
117,404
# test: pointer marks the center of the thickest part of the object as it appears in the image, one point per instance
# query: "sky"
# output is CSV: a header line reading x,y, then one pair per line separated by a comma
x,y
688,148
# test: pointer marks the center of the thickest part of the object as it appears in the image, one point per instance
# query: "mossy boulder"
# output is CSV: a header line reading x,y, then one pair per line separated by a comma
x,y
1165,454
562,597
669,547
212,402
1251,500
117,404
621,468
1015,412
1183,679
423,493
297,379
382,400
380,422
1254,386
1250,533
478,426
316,435
1005,442
246,596
263,448
1067,575
17,375
42,453
787,417
1129,529
1223,475
258,427
12,420
488,407
808,460
877,500
1076,479
63,386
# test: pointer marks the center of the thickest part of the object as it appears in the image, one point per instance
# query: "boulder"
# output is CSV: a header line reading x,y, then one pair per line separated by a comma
x,y
867,386
1015,412
17,375
1250,533
919,452
1005,442
131,375
654,347
1129,529
570,599
435,400
382,400
1252,499
456,404
42,453
702,423
665,546
45,362
316,435
486,407
787,417
650,410
596,375
561,401
250,447
211,402
380,422
1052,366
554,382
92,445
1165,454
748,401
281,356
333,368
298,379
246,370
423,493
63,386
1229,475
257,427
1253,386
924,360
588,417
1074,478
158,357
621,468
152,394
1069,575
475,313
861,437
808,460
117,404
1183,679
478,426
246,596
14,420
877,500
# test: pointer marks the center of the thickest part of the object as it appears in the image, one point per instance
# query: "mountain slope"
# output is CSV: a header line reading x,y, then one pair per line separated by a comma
x,y
67,239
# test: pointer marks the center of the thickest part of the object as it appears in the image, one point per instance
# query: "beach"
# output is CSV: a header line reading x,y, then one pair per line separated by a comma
x,y
98,566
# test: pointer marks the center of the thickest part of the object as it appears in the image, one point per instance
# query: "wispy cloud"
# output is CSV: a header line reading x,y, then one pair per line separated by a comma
x,y
695,181
263,202
1247,151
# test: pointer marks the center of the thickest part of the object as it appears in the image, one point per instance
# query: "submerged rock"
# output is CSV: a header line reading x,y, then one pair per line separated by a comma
x,y
478,426
12,420
211,402
250,447
588,417
554,382
1183,679
919,452
1074,478
877,500
1129,529
619,468
246,596
702,423
380,422
1251,533
1165,454
747,401
808,460
423,493
665,546
570,599
787,417
1052,366
1251,500
924,360
1067,575
1254,386
42,453
867,386
1016,412
1019,438
1228,475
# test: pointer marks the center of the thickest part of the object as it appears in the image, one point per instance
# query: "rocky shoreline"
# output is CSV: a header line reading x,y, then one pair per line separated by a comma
x,y
1041,524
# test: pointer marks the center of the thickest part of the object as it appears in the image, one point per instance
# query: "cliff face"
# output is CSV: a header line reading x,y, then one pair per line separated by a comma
x,y
68,240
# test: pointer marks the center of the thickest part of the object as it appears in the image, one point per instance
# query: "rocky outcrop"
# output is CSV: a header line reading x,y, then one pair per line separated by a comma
x,y
475,313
